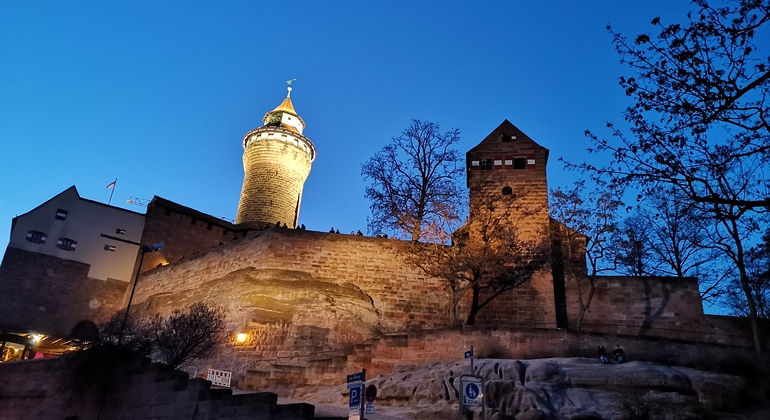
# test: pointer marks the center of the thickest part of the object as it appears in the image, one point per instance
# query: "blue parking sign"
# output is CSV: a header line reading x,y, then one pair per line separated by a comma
x,y
355,398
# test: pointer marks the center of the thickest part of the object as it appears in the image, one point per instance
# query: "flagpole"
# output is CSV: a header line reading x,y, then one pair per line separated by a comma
x,y
114,183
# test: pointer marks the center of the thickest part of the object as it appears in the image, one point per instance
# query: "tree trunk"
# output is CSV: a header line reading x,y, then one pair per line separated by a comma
x,y
474,305
584,305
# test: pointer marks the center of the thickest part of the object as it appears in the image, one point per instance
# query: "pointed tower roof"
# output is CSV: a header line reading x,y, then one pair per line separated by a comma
x,y
283,113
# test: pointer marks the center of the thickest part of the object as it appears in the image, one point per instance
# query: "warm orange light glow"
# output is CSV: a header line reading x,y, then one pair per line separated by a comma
x,y
241,337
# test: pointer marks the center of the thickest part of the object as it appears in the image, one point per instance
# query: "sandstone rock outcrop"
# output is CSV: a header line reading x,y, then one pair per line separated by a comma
x,y
559,388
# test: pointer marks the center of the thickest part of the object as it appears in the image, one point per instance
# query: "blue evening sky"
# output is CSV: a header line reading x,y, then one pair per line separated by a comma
x,y
159,94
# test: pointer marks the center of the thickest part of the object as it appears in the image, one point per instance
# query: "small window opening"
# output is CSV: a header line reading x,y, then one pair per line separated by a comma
x,y
109,248
66,244
120,231
36,237
487,164
61,214
519,163
507,191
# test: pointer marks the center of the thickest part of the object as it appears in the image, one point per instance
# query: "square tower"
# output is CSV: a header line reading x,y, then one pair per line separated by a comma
x,y
506,176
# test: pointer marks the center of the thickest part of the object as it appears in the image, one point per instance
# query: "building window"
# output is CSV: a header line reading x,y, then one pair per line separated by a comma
x,y
486,164
61,214
507,137
109,248
507,191
519,163
120,231
66,244
36,237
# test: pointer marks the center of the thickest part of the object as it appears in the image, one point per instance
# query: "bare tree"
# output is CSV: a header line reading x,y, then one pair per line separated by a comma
x,y
586,235
173,340
701,122
185,336
633,243
758,268
415,190
488,256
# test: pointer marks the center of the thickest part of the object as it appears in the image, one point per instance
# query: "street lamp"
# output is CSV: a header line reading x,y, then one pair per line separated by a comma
x,y
143,249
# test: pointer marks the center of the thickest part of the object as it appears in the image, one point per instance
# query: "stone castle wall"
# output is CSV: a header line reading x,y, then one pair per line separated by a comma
x,y
660,306
50,295
184,232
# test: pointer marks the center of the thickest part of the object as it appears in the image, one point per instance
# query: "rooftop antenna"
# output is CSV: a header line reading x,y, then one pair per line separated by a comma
x,y
141,202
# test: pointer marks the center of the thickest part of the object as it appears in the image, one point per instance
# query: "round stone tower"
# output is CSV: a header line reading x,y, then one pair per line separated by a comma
x,y
276,163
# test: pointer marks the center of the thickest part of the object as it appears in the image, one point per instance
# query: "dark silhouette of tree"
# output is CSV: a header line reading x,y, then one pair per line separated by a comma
x,y
586,234
675,240
487,258
634,247
415,190
758,268
185,336
174,340
701,122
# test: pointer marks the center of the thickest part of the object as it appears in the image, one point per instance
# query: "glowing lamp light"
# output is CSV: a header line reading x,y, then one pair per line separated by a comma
x,y
36,338
241,337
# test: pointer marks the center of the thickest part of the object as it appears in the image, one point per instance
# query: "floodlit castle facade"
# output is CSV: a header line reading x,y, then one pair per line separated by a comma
x,y
306,300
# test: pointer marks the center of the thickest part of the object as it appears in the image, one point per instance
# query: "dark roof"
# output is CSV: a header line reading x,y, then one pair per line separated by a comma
x,y
160,201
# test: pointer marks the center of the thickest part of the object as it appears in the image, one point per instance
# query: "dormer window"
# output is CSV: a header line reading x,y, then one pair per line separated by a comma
x,y
60,214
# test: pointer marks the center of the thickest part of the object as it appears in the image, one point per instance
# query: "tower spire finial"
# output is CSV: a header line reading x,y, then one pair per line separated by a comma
x,y
289,82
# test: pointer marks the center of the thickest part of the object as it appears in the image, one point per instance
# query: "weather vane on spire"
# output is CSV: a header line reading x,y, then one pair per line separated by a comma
x,y
289,82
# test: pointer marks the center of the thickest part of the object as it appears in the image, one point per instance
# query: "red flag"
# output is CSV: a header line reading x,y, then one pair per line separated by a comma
x,y
112,184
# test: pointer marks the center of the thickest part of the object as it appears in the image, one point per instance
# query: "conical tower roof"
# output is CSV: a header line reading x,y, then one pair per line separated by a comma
x,y
284,115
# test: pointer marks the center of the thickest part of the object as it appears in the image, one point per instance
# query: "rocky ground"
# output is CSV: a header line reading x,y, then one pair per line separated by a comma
x,y
559,388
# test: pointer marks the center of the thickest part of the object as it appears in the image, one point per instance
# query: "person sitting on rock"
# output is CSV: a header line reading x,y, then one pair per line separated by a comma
x,y
602,355
620,356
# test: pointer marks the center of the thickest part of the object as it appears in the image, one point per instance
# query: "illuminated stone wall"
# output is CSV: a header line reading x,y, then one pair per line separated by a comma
x,y
276,163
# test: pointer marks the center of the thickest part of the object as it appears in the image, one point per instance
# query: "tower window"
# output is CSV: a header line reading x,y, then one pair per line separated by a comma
x,y
61,214
507,190
36,237
486,164
109,248
120,231
66,244
507,137
519,163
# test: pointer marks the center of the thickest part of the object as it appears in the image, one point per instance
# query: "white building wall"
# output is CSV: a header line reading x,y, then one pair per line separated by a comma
x,y
92,225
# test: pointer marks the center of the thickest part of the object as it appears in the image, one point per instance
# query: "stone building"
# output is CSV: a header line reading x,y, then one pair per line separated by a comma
x,y
307,300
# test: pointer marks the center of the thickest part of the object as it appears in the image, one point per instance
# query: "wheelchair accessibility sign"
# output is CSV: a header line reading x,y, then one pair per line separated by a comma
x,y
472,391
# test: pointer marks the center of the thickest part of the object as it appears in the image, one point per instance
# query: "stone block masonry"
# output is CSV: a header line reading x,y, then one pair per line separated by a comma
x,y
50,295
275,168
